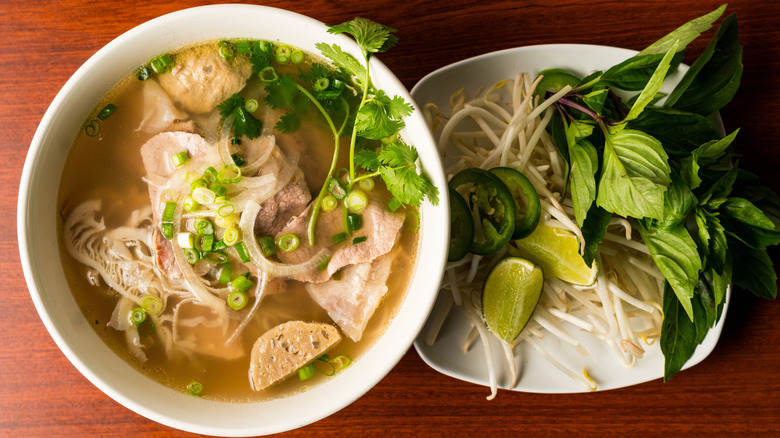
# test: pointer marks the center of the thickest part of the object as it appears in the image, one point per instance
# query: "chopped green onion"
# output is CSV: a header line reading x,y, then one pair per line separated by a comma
x,y
210,174
283,54
336,276
143,73
306,372
296,56
322,264
195,388
137,316
237,299
339,84
412,220
162,64
367,184
288,242
267,245
329,203
321,84
219,245
170,208
146,328
341,361
226,221
92,128
203,226
268,75
186,240
152,304
226,50
356,201
225,274
328,94
222,200
340,237
264,46
190,204
191,256
180,158
390,139
251,105
232,236
335,189
218,189
235,140
241,283
326,360
229,174
106,111
244,47
360,239
200,182
242,252
167,230
394,204
203,195
226,209
354,222
216,257
204,242
238,159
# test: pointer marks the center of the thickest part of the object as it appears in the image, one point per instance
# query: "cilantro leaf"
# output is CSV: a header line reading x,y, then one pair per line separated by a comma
x,y
380,116
288,123
371,37
344,60
281,94
244,123
367,159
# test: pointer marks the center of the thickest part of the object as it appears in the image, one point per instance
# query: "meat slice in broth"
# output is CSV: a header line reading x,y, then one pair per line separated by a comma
x,y
281,351
202,78
351,301
380,227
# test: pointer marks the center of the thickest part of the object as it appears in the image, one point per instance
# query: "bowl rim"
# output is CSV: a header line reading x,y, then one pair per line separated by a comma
x,y
367,370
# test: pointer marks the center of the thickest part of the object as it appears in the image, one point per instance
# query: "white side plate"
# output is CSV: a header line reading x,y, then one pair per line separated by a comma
x,y
536,373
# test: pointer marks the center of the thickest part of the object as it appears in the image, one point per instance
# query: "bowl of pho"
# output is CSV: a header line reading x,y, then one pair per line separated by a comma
x,y
224,217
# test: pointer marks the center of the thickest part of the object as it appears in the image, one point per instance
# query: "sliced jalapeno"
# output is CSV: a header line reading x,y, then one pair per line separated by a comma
x,y
496,208
461,227
518,185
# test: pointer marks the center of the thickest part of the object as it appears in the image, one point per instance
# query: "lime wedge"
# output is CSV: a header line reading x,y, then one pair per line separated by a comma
x,y
509,296
558,251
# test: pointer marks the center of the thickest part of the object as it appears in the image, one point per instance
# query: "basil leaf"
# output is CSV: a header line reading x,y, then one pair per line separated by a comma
x,y
593,229
653,85
679,202
584,164
714,78
753,270
676,255
680,132
705,155
678,334
634,73
712,239
635,173
685,33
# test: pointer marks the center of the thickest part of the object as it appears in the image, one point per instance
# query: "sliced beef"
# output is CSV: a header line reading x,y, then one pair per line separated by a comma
x,y
380,227
352,300
281,351
277,211
156,153
202,78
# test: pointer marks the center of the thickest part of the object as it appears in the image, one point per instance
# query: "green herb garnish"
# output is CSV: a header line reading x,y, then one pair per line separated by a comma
x,y
668,168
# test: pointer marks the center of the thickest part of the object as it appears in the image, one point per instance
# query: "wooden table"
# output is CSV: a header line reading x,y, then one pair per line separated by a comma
x,y
735,390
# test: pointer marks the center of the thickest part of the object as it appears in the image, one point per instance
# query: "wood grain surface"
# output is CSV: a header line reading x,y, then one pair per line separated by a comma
x,y
735,391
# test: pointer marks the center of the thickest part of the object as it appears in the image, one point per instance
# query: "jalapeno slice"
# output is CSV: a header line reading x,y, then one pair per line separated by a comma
x,y
461,227
495,205
518,184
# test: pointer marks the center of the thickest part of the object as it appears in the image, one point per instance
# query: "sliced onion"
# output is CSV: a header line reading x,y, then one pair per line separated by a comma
x,y
247,225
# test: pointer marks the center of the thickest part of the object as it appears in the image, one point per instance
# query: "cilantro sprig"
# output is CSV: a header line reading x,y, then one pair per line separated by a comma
x,y
244,123
670,169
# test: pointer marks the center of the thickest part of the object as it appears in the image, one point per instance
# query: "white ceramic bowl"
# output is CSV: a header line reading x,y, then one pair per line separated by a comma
x,y
46,280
